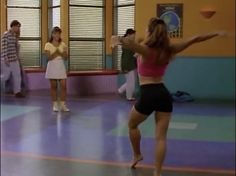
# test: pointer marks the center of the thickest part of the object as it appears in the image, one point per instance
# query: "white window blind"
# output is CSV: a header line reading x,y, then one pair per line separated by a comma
x,y
86,55
125,19
54,14
87,2
30,52
124,12
86,22
86,35
56,2
27,12
29,19
125,2
23,3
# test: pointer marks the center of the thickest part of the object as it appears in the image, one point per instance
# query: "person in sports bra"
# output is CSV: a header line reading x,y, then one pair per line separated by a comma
x,y
154,56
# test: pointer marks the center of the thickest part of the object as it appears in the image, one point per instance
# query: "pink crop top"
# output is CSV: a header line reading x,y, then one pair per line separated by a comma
x,y
148,67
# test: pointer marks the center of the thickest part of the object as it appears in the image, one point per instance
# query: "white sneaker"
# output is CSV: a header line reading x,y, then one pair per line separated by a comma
x,y
55,107
63,107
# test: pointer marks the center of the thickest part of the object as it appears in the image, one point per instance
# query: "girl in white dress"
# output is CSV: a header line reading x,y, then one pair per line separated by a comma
x,y
56,51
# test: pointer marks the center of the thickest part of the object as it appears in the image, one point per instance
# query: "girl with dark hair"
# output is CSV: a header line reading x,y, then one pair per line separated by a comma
x,y
155,53
56,51
128,66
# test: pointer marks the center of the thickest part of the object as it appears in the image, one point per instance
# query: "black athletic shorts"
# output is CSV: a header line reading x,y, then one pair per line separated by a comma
x,y
154,97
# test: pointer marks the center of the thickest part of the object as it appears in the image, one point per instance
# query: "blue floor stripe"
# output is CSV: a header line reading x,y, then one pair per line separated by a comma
x,y
11,111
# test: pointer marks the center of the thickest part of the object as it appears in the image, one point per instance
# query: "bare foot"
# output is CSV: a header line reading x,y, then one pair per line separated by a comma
x,y
136,161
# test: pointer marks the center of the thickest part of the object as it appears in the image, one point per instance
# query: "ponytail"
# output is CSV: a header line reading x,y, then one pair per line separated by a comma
x,y
159,40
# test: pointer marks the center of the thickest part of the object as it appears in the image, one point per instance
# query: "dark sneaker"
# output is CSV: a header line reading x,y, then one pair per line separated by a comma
x,y
19,95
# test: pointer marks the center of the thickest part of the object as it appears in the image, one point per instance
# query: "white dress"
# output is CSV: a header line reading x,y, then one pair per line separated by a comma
x,y
56,67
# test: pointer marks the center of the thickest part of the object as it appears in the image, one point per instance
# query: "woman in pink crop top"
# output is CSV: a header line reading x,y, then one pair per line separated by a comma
x,y
154,55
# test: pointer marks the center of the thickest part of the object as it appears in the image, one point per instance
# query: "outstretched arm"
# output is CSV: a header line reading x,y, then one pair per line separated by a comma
x,y
178,47
135,47
129,44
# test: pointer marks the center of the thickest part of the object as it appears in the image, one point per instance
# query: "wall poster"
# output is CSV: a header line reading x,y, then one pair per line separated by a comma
x,y
172,14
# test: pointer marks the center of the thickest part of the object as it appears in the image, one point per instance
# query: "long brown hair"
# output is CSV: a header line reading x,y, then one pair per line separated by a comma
x,y
158,39
54,30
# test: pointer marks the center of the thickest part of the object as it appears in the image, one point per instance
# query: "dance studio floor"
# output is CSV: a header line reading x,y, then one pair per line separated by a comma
x,y
92,140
